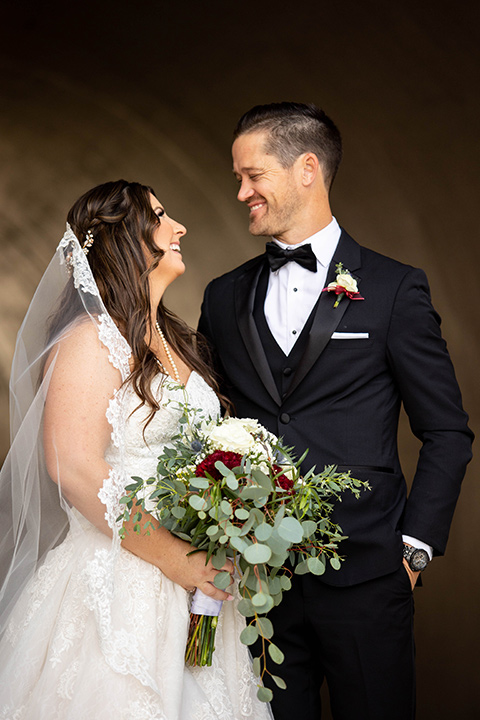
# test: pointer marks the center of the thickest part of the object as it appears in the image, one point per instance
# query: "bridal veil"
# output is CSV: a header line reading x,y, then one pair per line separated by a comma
x,y
34,514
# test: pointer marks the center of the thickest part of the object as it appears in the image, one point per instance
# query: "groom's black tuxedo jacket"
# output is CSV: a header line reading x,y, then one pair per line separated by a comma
x,y
341,397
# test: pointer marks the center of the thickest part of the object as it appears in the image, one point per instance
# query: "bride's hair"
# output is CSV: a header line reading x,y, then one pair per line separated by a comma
x,y
121,220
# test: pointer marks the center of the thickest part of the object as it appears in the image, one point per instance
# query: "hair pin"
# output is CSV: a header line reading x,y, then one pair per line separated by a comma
x,y
88,242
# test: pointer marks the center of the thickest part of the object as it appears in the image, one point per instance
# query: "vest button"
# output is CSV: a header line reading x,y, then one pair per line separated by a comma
x,y
287,371
285,418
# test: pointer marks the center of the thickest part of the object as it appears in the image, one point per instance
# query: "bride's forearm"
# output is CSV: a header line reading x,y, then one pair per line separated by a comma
x,y
170,554
175,559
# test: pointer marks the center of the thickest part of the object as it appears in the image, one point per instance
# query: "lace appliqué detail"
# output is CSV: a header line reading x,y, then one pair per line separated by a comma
x,y
144,707
110,494
67,680
118,347
39,589
77,263
120,647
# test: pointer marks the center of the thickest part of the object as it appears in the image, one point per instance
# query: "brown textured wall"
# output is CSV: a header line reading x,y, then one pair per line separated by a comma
x,y
91,92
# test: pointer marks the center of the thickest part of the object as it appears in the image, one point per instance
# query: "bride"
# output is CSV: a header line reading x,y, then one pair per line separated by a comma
x,y
93,626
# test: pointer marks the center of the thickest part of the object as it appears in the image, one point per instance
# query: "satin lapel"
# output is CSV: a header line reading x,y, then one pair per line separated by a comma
x,y
327,318
245,288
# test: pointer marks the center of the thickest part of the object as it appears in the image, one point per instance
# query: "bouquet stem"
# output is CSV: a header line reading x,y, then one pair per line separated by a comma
x,y
203,626
201,640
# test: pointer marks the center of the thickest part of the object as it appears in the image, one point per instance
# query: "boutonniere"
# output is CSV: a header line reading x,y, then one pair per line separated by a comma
x,y
344,284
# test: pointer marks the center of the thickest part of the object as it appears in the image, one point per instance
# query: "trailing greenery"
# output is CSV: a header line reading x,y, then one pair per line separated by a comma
x,y
232,489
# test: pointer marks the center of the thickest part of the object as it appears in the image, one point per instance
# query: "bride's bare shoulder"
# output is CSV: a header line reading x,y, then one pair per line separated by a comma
x,y
80,346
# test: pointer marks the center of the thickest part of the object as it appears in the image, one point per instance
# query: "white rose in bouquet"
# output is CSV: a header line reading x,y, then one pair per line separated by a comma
x,y
231,435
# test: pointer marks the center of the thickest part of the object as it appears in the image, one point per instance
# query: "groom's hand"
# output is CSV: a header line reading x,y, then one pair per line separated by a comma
x,y
411,574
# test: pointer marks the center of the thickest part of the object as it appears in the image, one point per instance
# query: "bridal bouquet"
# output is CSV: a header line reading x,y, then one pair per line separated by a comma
x,y
231,488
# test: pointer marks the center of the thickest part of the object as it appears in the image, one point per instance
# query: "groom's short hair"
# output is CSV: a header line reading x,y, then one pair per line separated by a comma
x,y
293,129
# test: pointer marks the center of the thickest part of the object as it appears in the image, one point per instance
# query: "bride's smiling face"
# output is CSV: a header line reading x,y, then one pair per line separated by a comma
x,y
167,237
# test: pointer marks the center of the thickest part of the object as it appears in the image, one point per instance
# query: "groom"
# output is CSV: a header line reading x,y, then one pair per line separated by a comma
x,y
329,372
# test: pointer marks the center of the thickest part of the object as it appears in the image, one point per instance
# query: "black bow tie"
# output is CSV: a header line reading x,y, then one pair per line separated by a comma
x,y
303,255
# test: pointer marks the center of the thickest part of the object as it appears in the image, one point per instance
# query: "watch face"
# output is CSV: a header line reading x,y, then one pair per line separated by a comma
x,y
419,560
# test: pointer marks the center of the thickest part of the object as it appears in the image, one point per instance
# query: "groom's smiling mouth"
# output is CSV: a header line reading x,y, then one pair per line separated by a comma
x,y
254,207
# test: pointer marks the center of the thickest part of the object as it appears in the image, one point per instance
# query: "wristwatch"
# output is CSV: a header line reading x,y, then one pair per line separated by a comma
x,y
416,558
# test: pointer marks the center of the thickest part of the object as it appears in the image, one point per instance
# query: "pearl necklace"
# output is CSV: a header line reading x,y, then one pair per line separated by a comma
x,y
167,353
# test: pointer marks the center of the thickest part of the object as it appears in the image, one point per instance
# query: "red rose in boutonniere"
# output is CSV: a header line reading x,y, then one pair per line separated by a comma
x,y
344,284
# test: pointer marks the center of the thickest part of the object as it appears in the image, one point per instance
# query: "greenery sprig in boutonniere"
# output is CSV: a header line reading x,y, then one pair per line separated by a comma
x,y
344,284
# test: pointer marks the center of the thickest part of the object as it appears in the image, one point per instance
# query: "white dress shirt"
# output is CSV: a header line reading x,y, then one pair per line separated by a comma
x,y
291,296
293,291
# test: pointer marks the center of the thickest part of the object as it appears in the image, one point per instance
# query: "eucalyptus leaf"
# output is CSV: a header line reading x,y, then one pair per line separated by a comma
x,y
239,544
263,480
249,635
226,507
277,598
219,559
335,563
232,530
274,585
252,492
197,502
223,468
315,566
245,575
291,529
214,530
199,482
264,694
309,528
277,543
285,582
251,582
246,608
279,682
257,553
265,627
278,560
248,525
263,532
256,666
280,515
231,482
222,580
276,654
301,568
267,604
259,599
241,513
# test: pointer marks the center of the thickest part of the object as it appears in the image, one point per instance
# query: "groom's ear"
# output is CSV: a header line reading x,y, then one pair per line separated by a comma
x,y
309,168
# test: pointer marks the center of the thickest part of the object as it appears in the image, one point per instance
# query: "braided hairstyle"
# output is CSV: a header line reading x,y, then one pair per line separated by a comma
x,y
122,222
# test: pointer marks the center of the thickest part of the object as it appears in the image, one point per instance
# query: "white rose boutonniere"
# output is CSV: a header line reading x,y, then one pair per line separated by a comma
x,y
344,284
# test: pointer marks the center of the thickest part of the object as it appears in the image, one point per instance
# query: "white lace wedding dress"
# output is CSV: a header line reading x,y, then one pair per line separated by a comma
x,y
100,633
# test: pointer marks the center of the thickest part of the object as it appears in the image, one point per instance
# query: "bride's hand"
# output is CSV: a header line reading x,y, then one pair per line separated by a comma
x,y
190,570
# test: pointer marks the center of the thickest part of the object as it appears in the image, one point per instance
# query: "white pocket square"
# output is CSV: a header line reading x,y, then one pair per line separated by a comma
x,y
350,336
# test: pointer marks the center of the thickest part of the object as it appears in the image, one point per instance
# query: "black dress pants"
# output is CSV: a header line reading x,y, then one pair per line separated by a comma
x,y
359,639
